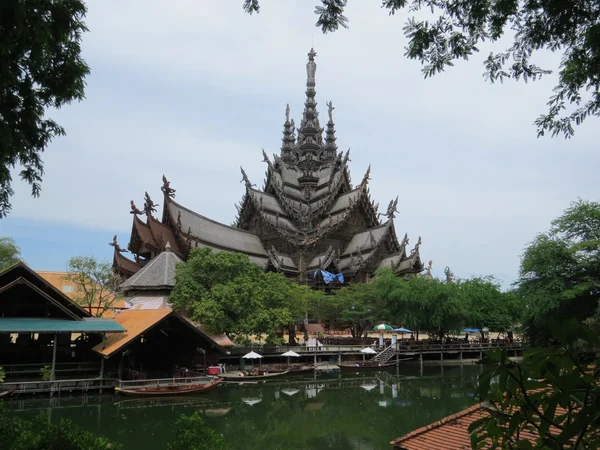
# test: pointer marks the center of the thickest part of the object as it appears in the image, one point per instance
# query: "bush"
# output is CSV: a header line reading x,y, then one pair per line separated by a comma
x,y
38,434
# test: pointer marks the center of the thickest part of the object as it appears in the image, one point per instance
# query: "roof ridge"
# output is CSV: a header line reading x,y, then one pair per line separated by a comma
x,y
439,423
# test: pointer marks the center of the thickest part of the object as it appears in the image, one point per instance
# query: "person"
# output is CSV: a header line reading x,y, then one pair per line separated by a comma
x,y
466,337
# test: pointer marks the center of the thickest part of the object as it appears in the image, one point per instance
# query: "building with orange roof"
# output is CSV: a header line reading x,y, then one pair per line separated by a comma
x,y
41,326
70,289
157,344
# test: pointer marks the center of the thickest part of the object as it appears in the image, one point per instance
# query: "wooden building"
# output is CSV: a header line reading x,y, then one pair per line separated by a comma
x,y
41,328
308,221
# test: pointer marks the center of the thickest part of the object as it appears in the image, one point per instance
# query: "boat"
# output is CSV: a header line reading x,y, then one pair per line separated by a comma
x,y
369,365
8,392
243,377
171,389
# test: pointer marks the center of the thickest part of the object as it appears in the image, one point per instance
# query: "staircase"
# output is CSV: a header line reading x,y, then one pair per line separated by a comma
x,y
385,355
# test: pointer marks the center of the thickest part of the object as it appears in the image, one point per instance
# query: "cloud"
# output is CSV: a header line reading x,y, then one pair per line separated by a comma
x,y
196,89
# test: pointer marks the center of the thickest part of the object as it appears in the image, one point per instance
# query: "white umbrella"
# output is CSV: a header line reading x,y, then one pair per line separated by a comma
x,y
289,354
251,401
367,351
252,355
368,387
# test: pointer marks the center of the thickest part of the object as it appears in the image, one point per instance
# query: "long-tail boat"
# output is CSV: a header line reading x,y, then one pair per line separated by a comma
x,y
171,389
369,365
241,377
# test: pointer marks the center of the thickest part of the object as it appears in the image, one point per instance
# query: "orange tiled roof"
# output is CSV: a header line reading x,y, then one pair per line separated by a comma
x,y
135,322
68,288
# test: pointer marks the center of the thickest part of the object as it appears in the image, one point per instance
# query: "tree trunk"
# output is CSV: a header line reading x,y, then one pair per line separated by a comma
x,y
292,335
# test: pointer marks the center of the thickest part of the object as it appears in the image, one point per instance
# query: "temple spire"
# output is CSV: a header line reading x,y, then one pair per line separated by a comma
x,y
330,145
289,138
310,132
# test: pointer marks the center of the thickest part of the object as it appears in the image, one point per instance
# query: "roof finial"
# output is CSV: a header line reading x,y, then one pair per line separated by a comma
x,y
287,112
168,247
311,68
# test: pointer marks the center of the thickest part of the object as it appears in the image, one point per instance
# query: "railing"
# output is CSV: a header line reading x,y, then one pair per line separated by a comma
x,y
21,369
402,347
56,386
158,382
465,347
385,355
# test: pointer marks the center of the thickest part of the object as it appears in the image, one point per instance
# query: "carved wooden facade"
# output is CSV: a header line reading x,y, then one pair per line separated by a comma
x,y
307,217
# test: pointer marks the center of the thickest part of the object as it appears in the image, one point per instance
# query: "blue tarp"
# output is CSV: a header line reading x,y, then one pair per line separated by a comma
x,y
471,330
329,277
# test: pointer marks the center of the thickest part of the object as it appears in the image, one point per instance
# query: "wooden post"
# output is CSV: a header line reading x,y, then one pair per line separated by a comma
x,y
461,357
52,373
101,373
442,356
421,358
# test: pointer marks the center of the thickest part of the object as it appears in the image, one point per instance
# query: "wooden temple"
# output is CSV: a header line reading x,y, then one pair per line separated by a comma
x,y
307,219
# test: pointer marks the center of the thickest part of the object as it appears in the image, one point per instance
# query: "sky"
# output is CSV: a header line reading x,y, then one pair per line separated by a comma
x,y
194,89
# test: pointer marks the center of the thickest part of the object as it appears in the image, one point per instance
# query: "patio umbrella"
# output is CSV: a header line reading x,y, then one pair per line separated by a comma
x,y
367,351
252,355
471,330
290,353
382,327
368,387
251,401
401,330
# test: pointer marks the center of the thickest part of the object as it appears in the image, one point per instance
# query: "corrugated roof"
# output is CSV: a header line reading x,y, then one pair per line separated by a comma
x,y
135,322
89,325
158,273
71,290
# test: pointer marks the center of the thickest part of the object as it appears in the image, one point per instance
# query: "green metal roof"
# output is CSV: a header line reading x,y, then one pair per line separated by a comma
x,y
18,325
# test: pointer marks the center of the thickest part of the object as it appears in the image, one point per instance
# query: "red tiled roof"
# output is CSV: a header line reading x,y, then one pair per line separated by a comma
x,y
451,433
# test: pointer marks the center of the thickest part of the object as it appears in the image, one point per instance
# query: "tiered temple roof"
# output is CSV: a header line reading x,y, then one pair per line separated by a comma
x,y
307,217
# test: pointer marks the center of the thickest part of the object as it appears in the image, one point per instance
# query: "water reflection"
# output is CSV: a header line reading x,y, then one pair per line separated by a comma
x,y
330,411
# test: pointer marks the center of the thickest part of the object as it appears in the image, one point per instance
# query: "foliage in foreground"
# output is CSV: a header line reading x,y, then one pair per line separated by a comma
x,y
9,253
455,29
40,69
552,394
39,434
560,272
96,285
193,434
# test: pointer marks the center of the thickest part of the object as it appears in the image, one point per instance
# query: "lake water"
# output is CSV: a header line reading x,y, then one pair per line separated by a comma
x,y
313,412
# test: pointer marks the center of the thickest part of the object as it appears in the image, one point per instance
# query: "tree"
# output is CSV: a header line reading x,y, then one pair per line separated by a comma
x,y
9,253
486,306
457,28
560,271
550,400
96,285
227,293
40,68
